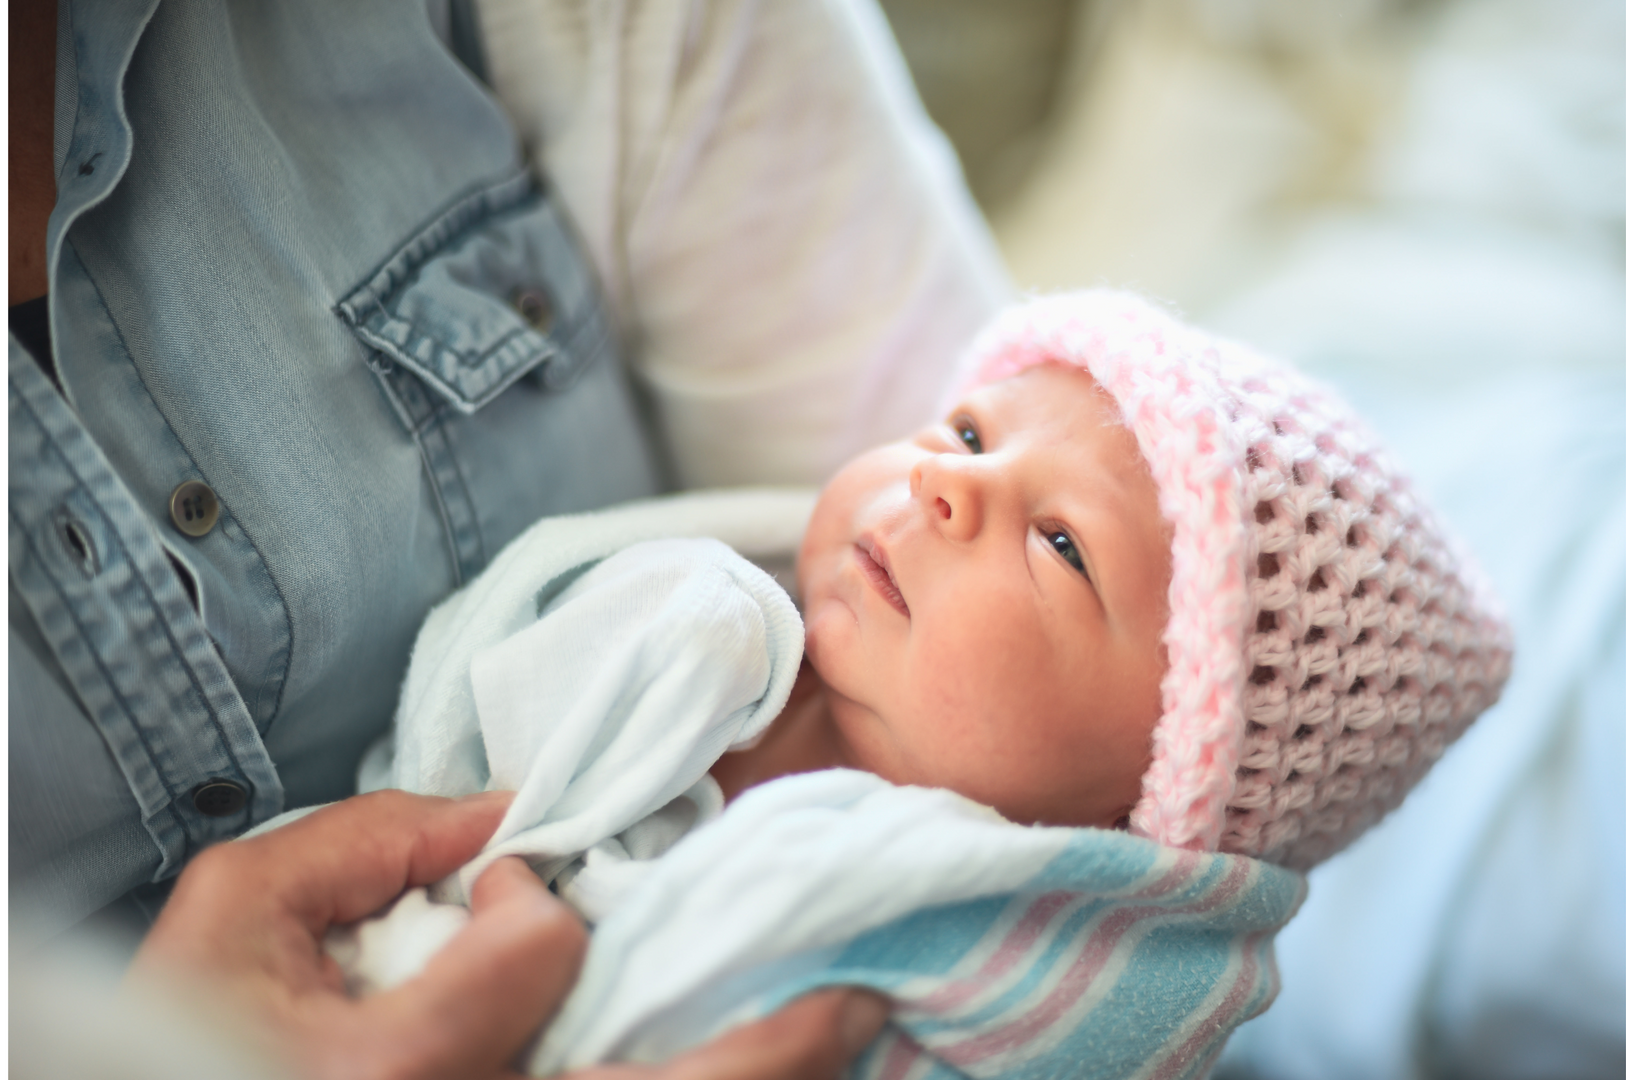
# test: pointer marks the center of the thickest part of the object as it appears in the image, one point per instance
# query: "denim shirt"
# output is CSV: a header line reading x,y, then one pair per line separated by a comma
x,y
297,256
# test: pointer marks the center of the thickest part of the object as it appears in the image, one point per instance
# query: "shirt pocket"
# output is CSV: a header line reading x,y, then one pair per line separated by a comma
x,y
492,289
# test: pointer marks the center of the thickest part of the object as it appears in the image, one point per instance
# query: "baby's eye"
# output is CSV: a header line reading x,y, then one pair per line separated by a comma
x,y
967,431
1068,550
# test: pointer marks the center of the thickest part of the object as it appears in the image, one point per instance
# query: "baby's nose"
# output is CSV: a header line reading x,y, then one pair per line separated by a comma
x,y
949,489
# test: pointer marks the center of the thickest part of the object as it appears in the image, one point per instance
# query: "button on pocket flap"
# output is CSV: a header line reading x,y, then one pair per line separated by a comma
x,y
493,288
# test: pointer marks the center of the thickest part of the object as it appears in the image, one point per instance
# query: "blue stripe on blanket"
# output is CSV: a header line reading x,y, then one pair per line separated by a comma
x,y
1121,958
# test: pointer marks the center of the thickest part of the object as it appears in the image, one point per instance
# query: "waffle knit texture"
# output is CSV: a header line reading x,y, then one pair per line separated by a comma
x,y
1326,639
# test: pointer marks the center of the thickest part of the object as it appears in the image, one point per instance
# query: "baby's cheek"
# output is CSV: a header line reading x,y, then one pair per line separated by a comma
x,y
960,692
831,644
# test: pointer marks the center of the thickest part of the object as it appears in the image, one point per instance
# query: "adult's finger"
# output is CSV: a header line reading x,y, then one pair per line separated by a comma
x,y
259,903
481,997
347,860
814,1038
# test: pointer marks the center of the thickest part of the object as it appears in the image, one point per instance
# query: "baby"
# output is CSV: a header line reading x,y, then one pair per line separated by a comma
x,y
985,606
1162,604
1137,578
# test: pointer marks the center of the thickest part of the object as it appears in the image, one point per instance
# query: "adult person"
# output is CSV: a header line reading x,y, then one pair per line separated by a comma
x,y
300,337
242,988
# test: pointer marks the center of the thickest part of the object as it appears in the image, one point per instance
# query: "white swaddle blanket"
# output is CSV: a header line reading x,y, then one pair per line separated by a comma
x,y
1005,948
648,666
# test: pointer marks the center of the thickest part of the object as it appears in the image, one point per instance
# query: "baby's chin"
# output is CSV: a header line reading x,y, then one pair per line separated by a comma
x,y
829,631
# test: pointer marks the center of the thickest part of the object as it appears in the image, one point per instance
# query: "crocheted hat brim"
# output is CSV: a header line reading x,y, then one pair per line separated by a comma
x,y
1166,388
1327,639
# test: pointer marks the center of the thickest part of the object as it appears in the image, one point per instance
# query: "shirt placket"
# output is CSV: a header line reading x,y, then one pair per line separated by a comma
x,y
85,556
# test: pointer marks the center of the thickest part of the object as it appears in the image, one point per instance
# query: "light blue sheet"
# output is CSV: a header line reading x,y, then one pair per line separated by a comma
x,y
1481,929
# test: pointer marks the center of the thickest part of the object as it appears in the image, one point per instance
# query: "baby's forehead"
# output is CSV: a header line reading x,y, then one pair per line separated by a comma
x,y
1063,404
1060,412
1058,382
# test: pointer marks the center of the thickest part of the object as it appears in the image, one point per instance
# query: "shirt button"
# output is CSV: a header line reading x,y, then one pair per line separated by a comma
x,y
219,798
535,307
193,507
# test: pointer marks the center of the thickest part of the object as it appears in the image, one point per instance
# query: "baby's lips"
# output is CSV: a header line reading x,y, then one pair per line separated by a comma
x,y
872,561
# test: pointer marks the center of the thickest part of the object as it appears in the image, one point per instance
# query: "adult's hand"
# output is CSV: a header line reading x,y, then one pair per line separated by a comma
x,y
246,921
245,924
814,1038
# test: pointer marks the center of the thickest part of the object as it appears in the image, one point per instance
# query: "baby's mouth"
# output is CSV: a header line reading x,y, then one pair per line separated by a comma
x,y
873,562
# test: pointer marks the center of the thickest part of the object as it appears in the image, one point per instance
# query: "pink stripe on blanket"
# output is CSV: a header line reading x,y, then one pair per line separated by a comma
x,y
1004,958
900,1056
1242,989
1026,932
1093,956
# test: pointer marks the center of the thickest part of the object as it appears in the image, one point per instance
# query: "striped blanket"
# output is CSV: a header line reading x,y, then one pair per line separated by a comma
x,y
1071,983
1009,951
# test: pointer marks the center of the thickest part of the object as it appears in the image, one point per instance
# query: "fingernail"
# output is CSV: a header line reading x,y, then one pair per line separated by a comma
x,y
862,1017
485,797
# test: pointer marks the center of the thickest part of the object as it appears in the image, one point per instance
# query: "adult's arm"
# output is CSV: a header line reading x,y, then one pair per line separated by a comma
x,y
784,236
246,922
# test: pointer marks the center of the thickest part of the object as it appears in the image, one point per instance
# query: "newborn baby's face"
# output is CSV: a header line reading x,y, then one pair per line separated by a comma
x,y
985,603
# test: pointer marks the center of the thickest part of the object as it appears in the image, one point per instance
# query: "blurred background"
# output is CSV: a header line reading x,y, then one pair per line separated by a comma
x,y
1424,202
1424,152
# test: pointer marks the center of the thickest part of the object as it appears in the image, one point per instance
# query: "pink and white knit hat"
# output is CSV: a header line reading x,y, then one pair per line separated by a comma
x,y
1326,639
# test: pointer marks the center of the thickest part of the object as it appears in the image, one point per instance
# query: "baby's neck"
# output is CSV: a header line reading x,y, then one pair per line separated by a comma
x,y
802,739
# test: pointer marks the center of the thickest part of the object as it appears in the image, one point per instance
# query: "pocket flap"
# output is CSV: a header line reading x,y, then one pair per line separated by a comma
x,y
492,289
